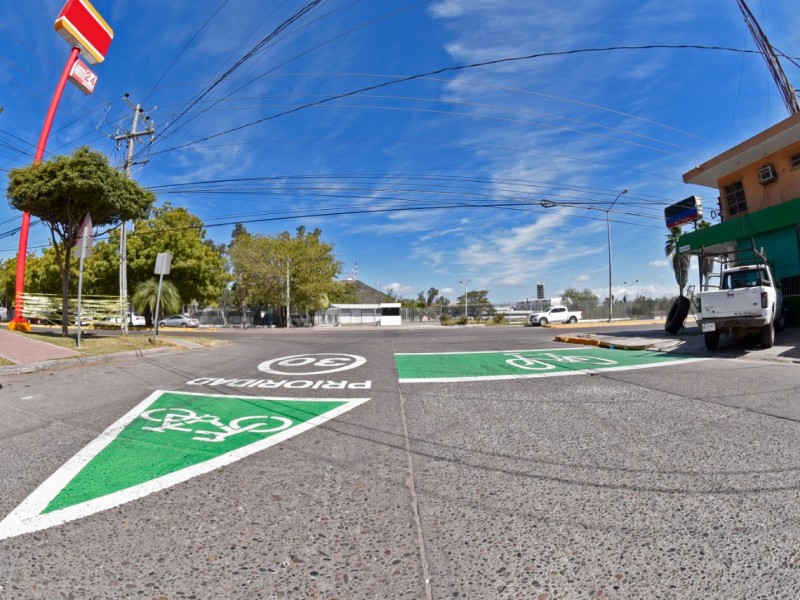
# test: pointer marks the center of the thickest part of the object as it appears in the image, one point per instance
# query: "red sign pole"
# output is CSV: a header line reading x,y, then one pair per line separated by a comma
x,y
19,323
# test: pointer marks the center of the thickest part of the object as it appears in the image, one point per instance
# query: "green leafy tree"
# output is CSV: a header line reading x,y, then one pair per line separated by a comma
x,y
198,267
430,300
477,302
8,278
343,292
145,298
572,296
263,263
62,191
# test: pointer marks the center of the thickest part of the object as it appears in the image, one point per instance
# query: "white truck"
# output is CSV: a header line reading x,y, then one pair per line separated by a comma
x,y
556,314
746,301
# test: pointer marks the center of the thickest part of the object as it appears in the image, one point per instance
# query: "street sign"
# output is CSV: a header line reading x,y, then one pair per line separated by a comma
x,y
83,27
523,364
167,439
163,263
85,239
83,77
686,211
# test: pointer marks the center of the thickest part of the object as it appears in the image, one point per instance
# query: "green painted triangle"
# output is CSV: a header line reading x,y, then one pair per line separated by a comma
x,y
167,439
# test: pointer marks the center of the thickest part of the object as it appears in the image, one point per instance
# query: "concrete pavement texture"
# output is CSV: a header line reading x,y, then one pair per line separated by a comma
x,y
672,482
23,350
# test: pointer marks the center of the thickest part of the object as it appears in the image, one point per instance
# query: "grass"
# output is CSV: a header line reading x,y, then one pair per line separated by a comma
x,y
94,345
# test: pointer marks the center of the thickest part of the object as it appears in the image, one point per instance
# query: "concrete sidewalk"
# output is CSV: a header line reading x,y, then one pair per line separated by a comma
x,y
22,350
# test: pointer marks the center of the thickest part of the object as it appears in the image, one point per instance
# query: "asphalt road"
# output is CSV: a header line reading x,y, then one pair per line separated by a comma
x,y
562,473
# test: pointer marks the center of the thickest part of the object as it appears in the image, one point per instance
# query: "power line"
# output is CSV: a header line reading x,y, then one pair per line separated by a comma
x,y
452,69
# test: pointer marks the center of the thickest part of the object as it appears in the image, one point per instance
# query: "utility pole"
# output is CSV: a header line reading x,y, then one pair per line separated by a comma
x,y
130,137
288,312
788,93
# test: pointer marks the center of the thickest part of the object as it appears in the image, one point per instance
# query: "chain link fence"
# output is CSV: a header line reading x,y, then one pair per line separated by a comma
x,y
636,309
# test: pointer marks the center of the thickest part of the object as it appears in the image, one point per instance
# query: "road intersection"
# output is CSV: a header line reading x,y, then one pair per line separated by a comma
x,y
397,463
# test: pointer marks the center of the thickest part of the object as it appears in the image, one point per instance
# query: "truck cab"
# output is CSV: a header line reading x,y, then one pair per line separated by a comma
x,y
746,301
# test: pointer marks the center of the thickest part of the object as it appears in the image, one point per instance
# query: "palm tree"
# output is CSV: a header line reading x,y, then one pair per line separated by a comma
x,y
680,262
706,262
145,297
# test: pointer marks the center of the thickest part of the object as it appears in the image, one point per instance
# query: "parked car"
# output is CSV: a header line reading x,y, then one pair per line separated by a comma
x,y
134,320
556,314
178,321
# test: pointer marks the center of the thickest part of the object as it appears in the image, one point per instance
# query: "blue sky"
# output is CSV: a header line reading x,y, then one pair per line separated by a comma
x,y
421,182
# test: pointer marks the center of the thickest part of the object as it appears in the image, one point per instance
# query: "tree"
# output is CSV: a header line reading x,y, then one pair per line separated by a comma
x,y
706,262
680,262
198,268
343,292
573,296
263,263
477,302
62,191
431,298
8,270
145,298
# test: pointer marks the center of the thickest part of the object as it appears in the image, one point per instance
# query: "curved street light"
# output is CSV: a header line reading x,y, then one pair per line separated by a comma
x,y
550,203
608,232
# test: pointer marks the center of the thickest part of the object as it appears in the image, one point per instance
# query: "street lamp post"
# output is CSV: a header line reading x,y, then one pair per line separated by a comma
x,y
550,203
466,314
608,231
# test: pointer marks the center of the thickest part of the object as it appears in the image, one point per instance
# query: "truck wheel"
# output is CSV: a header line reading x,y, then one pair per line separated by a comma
x,y
573,320
712,339
780,323
677,315
768,335
543,321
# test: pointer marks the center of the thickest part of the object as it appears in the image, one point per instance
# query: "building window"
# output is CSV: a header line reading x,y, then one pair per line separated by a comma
x,y
794,161
734,198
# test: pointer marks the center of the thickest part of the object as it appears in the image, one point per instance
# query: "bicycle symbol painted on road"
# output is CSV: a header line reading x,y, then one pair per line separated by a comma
x,y
547,361
183,419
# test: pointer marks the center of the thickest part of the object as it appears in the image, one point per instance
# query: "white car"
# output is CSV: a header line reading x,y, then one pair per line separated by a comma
x,y
133,320
556,314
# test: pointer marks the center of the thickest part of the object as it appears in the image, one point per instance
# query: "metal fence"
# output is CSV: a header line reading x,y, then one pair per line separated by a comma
x,y
639,308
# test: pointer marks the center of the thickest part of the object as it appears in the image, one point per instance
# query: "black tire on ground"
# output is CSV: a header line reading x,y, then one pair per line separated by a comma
x,y
780,323
162,324
573,320
543,321
768,335
677,315
183,324
712,339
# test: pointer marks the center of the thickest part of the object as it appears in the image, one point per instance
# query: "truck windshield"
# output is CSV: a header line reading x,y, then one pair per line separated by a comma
x,y
743,279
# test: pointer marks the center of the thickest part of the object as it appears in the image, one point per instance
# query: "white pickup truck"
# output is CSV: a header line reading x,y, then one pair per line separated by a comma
x,y
747,301
556,314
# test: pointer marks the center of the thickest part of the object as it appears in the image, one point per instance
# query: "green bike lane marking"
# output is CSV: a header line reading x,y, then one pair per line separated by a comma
x,y
522,364
166,439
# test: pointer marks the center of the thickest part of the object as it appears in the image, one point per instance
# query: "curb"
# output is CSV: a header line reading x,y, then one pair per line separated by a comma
x,y
77,361
600,343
